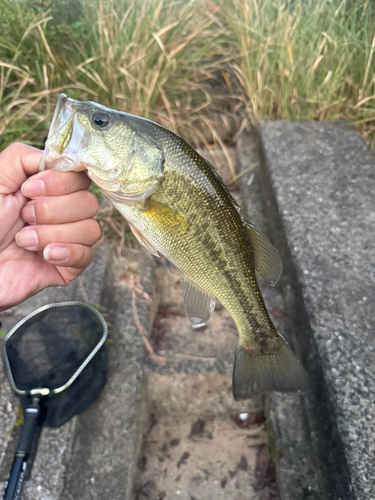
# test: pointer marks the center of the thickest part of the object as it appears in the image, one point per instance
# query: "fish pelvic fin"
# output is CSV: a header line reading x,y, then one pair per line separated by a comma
x,y
198,304
143,241
256,373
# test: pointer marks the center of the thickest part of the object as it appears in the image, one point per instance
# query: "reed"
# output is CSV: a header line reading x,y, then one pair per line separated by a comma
x,y
200,67
303,59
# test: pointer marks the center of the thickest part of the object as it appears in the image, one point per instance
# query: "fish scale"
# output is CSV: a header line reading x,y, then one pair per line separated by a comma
x,y
178,206
225,250
219,256
193,253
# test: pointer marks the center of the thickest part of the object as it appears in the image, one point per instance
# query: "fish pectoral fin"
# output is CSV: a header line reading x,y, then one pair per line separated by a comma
x,y
198,304
268,263
163,216
143,241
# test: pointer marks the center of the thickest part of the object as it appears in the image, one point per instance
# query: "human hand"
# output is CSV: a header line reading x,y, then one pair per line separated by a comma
x,y
56,246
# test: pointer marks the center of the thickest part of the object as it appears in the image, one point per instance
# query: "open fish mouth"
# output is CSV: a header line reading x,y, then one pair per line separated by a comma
x,y
66,139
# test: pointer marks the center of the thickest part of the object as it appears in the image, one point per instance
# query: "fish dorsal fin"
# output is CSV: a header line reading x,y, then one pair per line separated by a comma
x,y
143,241
198,304
268,263
165,217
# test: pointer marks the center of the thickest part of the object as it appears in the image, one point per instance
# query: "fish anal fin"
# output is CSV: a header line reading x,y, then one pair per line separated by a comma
x,y
198,304
254,374
143,241
268,263
164,216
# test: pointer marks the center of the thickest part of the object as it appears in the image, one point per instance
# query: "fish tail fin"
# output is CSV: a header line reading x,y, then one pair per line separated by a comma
x,y
280,371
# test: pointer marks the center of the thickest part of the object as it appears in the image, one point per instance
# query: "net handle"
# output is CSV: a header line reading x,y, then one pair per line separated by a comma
x,y
17,473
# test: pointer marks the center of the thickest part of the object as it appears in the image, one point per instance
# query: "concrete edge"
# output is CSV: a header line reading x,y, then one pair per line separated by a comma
x,y
320,437
109,435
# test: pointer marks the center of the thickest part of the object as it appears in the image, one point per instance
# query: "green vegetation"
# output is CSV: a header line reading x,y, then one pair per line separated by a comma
x,y
200,67
305,59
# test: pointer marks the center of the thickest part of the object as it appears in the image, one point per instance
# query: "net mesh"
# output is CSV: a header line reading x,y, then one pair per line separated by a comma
x,y
48,349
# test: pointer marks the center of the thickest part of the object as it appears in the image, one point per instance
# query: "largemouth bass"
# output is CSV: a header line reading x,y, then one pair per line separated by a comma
x,y
177,206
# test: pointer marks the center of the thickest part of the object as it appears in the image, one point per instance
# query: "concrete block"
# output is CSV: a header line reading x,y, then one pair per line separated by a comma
x,y
91,456
105,441
54,445
288,423
318,181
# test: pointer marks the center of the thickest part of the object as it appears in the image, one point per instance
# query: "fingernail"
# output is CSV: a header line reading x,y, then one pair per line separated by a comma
x,y
33,188
56,254
28,214
27,238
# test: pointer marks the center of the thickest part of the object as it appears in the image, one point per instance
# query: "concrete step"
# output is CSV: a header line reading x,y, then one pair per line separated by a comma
x,y
54,444
91,456
317,183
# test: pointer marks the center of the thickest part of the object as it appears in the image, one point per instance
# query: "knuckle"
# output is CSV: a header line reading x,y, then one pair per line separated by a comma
x,y
62,183
50,234
79,254
89,232
13,151
56,183
84,256
93,228
12,148
52,179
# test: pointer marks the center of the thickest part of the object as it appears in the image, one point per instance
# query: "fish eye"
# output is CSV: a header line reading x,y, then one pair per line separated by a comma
x,y
100,119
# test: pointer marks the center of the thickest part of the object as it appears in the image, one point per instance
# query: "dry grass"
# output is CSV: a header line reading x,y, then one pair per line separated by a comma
x,y
151,58
304,59
199,67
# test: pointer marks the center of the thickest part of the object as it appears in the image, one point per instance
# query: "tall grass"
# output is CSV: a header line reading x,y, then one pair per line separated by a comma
x,y
23,76
30,76
303,59
150,58
200,67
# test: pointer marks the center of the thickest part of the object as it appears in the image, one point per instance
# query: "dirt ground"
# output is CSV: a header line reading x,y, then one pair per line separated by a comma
x,y
199,443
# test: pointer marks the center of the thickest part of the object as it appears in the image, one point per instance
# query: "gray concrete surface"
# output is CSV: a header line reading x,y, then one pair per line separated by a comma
x,y
104,446
288,421
318,181
54,444
91,456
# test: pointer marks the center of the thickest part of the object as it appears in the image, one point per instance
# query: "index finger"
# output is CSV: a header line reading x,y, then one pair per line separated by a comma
x,y
17,162
52,183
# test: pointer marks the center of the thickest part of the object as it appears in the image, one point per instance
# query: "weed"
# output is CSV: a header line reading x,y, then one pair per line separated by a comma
x,y
303,60
200,67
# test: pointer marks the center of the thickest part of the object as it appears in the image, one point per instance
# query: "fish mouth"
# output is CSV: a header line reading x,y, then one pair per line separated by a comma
x,y
66,138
